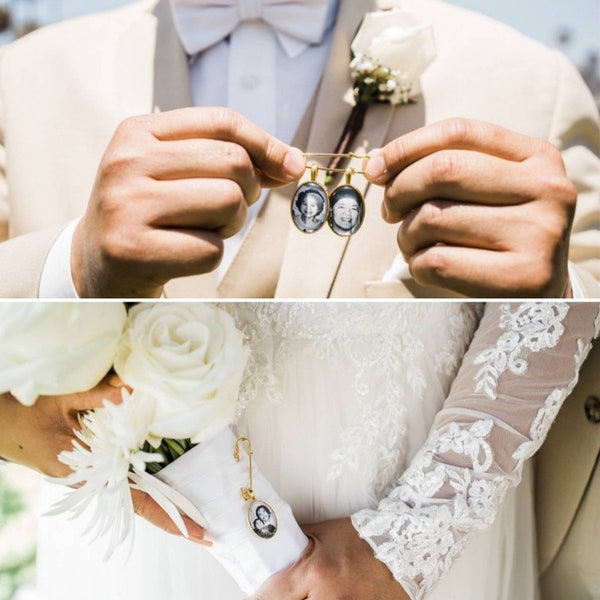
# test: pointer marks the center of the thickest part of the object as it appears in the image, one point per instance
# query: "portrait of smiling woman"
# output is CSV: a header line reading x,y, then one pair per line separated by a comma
x,y
309,208
347,211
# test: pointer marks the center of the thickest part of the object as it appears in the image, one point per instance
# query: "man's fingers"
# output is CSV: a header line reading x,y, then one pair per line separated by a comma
x,y
176,252
458,175
456,134
278,161
206,159
481,273
463,224
204,204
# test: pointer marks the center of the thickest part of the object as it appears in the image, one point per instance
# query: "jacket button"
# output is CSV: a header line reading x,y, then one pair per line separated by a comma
x,y
592,409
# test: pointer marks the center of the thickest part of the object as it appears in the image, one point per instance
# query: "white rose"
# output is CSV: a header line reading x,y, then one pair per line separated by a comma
x,y
56,348
396,39
190,358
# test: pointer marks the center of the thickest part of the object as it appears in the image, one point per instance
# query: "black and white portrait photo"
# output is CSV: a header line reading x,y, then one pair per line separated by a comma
x,y
347,210
262,519
309,207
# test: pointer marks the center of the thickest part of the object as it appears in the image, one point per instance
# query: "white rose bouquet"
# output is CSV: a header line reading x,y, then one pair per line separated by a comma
x,y
57,348
170,436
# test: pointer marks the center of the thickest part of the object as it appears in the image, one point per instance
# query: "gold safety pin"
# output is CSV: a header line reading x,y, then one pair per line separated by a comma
x,y
247,493
315,168
333,154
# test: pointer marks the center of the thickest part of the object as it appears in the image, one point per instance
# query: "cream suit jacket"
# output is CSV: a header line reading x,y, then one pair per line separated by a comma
x,y
567,488
65,88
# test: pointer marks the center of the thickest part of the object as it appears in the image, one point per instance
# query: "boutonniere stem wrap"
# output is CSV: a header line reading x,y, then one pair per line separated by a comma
x,y
389,53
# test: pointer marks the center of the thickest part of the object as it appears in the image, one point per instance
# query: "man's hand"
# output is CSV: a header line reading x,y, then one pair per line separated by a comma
x,y
336,565
169,189
484,211
34,436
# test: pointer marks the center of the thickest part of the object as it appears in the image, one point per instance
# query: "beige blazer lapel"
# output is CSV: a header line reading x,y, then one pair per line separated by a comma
x,y
320,253
255,271
171,72
565,463
161,79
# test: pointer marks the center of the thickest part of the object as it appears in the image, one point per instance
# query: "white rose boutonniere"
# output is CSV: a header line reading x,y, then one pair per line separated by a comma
x,y
391,51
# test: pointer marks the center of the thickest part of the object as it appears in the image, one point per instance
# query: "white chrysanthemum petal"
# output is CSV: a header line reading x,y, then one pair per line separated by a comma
x,y
110,441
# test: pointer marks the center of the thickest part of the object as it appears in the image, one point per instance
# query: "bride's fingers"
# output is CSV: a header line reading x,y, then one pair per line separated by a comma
x,y
146,508
110,388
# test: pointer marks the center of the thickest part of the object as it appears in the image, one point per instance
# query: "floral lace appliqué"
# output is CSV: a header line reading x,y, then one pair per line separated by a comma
x,y
531,326
385,350
419,537
455,484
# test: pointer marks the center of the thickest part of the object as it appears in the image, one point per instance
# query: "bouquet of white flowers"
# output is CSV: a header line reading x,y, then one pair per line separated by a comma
x,y
170,436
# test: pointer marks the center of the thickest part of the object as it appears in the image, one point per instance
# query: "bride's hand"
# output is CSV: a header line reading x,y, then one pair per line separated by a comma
x,y
34,436
336,564
146,508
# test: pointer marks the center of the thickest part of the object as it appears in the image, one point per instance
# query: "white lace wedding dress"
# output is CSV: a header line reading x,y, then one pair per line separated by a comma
x,y
339,400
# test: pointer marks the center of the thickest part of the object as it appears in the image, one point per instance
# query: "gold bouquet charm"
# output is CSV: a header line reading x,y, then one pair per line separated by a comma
x,y
252,528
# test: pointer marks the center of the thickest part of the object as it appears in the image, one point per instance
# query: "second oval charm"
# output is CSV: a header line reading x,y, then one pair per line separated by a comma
x,y
347,210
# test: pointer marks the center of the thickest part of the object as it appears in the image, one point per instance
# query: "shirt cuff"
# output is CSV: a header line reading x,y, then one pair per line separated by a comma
x,y
56,280
576,287
398,270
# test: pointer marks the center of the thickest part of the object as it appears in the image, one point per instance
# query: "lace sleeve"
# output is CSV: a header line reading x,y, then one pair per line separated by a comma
x,y
523,362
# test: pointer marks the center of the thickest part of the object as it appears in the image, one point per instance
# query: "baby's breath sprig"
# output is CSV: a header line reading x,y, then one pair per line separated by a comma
x,y
389,52
374,82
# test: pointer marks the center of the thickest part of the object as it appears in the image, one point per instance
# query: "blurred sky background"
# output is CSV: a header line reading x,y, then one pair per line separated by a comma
x,y
546,20
573,26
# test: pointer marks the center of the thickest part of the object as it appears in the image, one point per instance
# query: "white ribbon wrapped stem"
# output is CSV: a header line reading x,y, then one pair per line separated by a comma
x,y
212,480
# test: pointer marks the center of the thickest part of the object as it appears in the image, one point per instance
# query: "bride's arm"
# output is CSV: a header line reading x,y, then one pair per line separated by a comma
x,y
34,436
522,364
